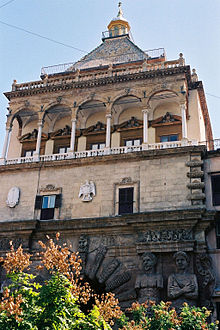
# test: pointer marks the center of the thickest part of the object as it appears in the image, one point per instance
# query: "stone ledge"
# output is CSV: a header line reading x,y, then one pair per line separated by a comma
x,y
139,155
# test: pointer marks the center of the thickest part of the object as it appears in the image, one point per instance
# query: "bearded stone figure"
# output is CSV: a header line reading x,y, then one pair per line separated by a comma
x,y
149,283
182,285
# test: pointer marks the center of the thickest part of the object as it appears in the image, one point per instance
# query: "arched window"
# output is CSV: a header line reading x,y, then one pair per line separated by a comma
x,y
116,31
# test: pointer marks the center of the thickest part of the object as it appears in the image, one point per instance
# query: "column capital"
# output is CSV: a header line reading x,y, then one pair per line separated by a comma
x,y
183,105
73,119
108,115
40,122
146,110
74,112
8,127
108,107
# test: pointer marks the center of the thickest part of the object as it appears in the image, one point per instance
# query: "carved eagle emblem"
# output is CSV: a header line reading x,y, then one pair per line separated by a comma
x,y
87,191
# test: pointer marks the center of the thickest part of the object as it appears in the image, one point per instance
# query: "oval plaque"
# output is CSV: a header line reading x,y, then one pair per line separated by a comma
x,y
13,197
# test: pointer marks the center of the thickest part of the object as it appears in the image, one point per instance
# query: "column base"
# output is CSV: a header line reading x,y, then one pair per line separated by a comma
x,y
36,157
184,142
145,146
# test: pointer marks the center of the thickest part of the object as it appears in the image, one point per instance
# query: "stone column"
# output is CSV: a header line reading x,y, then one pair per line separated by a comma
x,y
145,125
6,142
40,126
184,127
73,135
108,131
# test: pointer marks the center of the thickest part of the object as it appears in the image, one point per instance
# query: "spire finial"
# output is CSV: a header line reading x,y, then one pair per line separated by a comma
x,y
120,12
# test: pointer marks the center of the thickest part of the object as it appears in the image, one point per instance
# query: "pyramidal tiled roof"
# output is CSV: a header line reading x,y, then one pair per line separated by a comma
x,y
112,51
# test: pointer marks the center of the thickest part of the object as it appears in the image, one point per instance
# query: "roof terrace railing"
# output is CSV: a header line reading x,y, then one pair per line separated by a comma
x,y
150,54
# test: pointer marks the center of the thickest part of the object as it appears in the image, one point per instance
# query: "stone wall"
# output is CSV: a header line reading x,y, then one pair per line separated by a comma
x,y
160,179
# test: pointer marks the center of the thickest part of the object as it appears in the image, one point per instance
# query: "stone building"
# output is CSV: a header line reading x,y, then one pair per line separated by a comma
x,y
109,151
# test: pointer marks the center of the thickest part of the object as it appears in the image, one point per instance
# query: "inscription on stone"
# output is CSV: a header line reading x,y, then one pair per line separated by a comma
x,y
165,235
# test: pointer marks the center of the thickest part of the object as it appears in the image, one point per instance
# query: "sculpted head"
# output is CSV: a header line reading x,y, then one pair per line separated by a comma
x,y
149,261
83,242
181,260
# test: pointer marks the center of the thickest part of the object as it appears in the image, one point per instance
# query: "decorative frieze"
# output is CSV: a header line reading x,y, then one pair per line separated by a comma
x,y
166,235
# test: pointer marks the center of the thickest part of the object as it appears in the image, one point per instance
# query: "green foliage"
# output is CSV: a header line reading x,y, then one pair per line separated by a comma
x,y
47,307
163,316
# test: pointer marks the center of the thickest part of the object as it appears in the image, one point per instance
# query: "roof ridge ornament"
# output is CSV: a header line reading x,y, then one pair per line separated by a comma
x,y
120,12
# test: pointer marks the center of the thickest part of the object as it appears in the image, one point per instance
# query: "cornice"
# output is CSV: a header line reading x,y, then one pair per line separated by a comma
x,y
101,81
100,160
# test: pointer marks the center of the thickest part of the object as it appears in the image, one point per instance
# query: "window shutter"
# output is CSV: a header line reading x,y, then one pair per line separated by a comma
x,y
38,202
58,201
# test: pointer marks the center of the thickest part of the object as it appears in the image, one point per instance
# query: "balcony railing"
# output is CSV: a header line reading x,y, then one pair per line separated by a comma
x,y
211,145
98,153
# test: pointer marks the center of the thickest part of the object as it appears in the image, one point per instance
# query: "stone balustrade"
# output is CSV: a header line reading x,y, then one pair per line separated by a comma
x,y
98,73
99,152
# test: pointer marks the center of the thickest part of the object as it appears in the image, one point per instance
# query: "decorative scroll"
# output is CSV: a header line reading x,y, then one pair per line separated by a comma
x,y
83,247
117,281
166,235
108,270
100,255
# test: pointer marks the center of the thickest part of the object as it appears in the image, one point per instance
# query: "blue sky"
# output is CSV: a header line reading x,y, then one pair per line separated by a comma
x,y
188,26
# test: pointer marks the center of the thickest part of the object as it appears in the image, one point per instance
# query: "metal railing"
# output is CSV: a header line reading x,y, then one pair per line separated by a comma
x,y
157,53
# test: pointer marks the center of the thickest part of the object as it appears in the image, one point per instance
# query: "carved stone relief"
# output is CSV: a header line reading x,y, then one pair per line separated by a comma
x,y
5,243
13,197
166,235
149,283
206,279
182,285
83,248
87,191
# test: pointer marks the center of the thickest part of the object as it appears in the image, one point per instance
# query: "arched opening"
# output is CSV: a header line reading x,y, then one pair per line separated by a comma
x,y
127,113
58,119
92,116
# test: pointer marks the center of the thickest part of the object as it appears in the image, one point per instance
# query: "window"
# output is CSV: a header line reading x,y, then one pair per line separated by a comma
x,y
126,200
133,142
28,153
98,145
63,150
47,204
216,190
116,31
169,138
